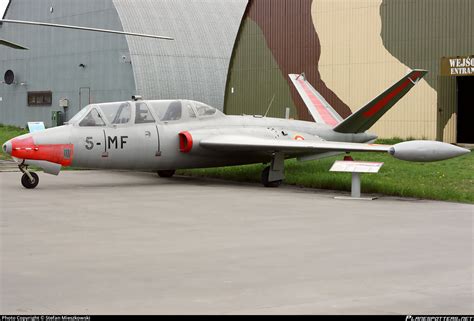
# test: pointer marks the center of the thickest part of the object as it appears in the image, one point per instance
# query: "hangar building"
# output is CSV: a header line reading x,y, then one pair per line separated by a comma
x,y
236,55
83,67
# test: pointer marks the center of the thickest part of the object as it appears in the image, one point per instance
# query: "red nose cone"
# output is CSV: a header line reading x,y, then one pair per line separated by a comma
x,y
26,148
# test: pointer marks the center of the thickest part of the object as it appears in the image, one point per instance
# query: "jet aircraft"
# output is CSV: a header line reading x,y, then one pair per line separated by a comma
x,y
166,135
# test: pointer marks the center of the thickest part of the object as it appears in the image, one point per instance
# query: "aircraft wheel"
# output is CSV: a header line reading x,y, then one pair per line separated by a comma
x,y
265,181
27,183
168,173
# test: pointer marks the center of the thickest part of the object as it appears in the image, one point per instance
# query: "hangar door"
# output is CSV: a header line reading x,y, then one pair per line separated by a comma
x,y
465,102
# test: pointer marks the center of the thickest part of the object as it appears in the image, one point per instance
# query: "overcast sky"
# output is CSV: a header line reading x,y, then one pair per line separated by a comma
x,y
3,6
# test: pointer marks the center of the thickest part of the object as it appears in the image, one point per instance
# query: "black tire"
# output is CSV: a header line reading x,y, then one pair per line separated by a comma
x,y
265,182
27,183
168,173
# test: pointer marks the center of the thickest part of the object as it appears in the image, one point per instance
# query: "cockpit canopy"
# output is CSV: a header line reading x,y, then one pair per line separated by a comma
x,y
140,112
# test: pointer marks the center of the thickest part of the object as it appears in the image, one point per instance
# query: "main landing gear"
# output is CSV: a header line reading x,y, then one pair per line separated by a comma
x,y
29,179
273,175
265,178
167,173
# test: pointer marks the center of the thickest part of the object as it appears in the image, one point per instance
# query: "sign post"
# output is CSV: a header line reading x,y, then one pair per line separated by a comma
x,y
356,168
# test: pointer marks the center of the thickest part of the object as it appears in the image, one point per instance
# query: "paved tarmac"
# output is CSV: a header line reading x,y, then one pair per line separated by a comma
x,y
93,242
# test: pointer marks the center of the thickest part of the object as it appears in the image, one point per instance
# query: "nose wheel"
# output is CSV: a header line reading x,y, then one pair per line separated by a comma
x,y
28,182
167,173
29,179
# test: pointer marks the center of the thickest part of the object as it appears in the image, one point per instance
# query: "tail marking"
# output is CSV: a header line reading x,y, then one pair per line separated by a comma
x,y
318,105
385,100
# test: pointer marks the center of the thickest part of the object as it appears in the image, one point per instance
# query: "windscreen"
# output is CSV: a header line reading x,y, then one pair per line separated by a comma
x,y
168,110
117,113
92,119
204,110
79,115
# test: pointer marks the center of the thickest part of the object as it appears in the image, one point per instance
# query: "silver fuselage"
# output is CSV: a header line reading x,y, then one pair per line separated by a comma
x,y
156,146
183,134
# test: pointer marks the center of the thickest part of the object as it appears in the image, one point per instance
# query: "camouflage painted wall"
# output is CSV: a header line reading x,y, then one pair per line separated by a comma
x,y
277,37
351,51
432,29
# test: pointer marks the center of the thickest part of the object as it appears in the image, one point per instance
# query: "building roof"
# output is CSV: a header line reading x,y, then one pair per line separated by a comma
x,y
195,64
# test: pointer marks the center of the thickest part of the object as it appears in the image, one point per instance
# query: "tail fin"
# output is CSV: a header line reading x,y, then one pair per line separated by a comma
x,y
318,107
365,117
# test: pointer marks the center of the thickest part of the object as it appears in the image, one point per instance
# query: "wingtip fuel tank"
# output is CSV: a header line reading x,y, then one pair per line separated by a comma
x,y
426,151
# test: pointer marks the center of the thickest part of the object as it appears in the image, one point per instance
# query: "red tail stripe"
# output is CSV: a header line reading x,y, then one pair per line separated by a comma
x,y
327,117
385,100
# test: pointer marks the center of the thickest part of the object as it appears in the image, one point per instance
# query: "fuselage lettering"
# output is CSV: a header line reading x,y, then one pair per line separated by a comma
x,y
113,142
89,143
123,141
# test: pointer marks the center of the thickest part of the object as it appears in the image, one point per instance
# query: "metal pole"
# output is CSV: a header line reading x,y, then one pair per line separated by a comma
x,y
287,113
355,189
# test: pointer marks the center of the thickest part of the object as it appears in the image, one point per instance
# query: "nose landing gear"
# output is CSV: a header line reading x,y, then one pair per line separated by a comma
x,y
29,179
166,173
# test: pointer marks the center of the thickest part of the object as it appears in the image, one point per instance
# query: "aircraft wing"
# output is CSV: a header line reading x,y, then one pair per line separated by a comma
x,y
255,144
414,151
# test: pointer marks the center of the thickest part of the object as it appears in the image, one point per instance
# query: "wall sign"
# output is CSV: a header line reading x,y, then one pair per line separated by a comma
x,y
457,66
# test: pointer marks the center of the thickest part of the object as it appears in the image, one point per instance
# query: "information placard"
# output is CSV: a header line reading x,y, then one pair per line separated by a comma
x,y
36,126
356,167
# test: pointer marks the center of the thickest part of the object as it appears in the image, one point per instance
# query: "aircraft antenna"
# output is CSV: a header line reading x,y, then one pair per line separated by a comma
x,y
269,106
